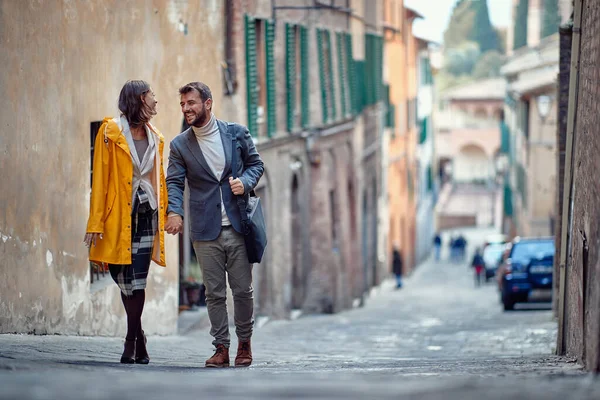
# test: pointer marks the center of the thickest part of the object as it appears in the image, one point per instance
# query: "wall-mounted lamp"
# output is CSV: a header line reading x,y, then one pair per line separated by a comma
x,y
313,153
544,104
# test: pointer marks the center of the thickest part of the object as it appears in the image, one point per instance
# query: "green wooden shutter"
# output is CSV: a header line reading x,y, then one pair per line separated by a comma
x,y
251,75
271,93
331,93
352,82
390,118
429,179
505,138
423,134
368,58
361,77
290,77
380,68
341,71
508,200
325,108
305,76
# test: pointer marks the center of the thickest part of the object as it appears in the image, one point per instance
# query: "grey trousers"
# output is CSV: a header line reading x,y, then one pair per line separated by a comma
x,y
227,254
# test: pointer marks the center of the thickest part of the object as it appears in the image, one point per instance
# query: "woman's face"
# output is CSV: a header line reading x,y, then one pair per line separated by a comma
x,y
150,100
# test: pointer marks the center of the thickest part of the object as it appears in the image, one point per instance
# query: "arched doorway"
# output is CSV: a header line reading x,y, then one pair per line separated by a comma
x,y
471,164
374,233
298,273
364,241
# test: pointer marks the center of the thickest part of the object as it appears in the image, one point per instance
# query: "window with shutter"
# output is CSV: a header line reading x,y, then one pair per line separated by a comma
x,y
270,78
251,75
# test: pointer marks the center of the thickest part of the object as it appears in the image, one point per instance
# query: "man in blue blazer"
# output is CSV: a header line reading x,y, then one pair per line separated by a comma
x,y
202,154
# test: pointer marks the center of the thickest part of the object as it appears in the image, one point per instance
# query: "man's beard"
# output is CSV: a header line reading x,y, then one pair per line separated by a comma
x,y
201,119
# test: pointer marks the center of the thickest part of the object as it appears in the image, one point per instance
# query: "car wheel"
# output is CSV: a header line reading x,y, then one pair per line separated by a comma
x,y
508,303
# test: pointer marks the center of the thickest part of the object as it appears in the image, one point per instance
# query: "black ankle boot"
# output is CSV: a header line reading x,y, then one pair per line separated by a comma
x,y
128,356
141,353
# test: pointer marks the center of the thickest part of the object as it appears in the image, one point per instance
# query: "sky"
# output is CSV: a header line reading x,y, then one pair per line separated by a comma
x,y
436,14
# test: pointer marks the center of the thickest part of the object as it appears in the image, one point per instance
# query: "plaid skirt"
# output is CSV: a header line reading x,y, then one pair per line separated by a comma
x,y
144,224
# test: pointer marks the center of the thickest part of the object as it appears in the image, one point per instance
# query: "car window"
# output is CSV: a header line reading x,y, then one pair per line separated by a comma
x,y
523,252
492,254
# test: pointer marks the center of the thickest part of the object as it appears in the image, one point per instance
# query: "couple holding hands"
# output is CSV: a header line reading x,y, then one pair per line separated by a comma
x,y
133,203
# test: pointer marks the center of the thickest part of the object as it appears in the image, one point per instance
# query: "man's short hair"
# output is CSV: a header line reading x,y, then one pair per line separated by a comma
x,y
200,87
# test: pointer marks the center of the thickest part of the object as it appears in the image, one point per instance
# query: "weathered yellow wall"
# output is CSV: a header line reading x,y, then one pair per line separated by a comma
x,y
62,67
401,76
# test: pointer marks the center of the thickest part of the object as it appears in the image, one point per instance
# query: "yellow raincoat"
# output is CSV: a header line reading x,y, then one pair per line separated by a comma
x,y
110,203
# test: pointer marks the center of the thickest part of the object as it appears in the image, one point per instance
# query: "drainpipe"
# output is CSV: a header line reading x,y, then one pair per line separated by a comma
x,y
567,222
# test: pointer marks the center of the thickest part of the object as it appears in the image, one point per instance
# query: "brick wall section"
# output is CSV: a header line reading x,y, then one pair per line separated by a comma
x,y
583,284
561,143
332,276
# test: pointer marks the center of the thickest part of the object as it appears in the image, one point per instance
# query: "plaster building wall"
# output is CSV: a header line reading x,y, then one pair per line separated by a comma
x,y
541,170
401,171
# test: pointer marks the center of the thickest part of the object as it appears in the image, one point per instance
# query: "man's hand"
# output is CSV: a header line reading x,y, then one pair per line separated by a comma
x,y
91,238
237,187
174,224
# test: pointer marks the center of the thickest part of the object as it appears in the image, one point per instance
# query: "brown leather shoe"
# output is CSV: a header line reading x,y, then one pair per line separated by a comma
x,y
220,359
244,354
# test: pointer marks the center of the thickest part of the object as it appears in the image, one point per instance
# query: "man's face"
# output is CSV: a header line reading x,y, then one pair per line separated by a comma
x,y
195,112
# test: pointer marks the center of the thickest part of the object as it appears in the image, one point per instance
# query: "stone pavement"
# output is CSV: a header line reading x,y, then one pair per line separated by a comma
x,y
437,338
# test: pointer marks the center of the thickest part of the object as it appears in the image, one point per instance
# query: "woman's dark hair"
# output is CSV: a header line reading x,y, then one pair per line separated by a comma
x,y
131,104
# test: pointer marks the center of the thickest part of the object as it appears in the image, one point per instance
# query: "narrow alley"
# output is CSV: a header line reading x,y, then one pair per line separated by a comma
x,y
438,337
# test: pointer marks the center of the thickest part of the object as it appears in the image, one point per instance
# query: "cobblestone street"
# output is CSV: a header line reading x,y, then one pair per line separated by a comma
x,y
438,337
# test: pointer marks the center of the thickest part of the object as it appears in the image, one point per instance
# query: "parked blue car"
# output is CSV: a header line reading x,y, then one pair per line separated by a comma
x,y
528,272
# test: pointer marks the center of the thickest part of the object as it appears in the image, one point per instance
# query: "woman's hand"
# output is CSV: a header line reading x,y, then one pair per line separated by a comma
x,y
91,238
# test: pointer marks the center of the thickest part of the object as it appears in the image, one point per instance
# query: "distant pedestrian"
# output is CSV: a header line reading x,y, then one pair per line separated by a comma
x,y
462,247
454,247
478,265
397,266
437,245
128,205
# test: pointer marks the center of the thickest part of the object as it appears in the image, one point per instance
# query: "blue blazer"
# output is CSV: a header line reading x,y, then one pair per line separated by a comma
x,y
186,161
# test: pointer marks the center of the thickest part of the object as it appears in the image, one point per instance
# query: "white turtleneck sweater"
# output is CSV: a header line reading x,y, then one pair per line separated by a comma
x,y
209,139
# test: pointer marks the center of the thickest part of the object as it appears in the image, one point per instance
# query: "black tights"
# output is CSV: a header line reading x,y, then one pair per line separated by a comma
x,y
134,306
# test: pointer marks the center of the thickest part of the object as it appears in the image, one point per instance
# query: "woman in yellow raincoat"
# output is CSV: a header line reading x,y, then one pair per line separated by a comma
x,y
128,205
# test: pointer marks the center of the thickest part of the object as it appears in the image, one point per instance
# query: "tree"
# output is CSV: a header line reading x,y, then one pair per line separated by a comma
x,y
461,60
488,65
460,24
551,19
470,21
483,32
520,31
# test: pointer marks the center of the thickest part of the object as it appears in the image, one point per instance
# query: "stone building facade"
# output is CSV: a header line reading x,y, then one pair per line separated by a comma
x,y
467,131
401,134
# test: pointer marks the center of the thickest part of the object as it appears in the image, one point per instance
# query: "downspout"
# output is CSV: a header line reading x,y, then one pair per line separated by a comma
x,y
567,222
